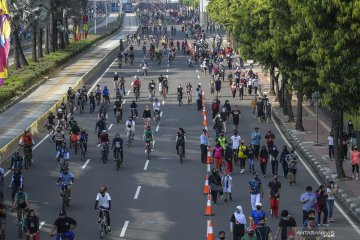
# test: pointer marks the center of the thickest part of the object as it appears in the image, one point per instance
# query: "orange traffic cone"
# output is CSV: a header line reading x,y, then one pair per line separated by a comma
x,y
210,235
206,187
208,209
204,111
205,123
209,158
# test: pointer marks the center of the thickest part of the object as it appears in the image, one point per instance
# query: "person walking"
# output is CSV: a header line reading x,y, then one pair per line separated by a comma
x,y
255,141
250,234
274,152
221,235
274,187
215,184
283,161
236,117
242,155
204,143
229,158
331,146
233,89
270,139
287,226
227,186
307,199
198,99
218,125
218,153
321,200
238,223
256,191
331,191
253,106
236,139
224,118
355,160
250,158
292,160
262,231
263,159
215,106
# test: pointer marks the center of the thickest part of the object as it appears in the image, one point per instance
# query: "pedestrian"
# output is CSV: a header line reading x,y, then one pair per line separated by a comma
x,y
331,190
215,184
274,187
311,217
353,140
2,179
221,236
236,139
263,159
350,127
215,108
283,161
238,223
227,106
321,200
287,226
256,83
249,85
307,199
204,143
222,140
260,109
224,118
217,87
292,160
355,160
212,86
255,141
262,231
236,117
250,234
227,185
270,139
218,153
331,146
241,90
198,99
218,125
256,215
344,146
228,158
274,152
233,90
242,155
253,106
256,191
250,158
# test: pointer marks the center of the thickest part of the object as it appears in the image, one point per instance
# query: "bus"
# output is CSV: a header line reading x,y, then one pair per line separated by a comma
x,y
128,8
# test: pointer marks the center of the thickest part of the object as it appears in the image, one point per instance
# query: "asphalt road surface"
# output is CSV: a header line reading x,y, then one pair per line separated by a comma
x,y
160,198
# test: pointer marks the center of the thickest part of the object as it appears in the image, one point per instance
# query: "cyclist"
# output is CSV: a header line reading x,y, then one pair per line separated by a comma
x,y
98,92
27,141
63,226
133,109
118,109
117,145
179,92
72,122
116,80
161,79
180,140
21,202
102,113
16,161
136,85
80,98
122,85
58,137
146,113
63,152
74,133
84,138
32,225
92,99
84,92
66,179
51,123
121,45
151,89
131,47
100,126
148,137
106,95
189,89
17,182
130,127
103,200
165,84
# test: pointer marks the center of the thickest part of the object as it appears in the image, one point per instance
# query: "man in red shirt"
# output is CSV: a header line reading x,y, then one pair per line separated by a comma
x,y
270,138
136,85
27,141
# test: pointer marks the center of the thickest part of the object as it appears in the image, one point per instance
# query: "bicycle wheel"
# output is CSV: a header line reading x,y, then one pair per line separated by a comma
x,y
20,229
26,162
148,150
102,230
83,153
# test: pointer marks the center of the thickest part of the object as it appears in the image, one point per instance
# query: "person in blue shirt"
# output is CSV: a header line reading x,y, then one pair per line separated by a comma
x,y
307,199
66,179
204,142
255,189
63,152
256,215
255,141
106,94
84,138
16,161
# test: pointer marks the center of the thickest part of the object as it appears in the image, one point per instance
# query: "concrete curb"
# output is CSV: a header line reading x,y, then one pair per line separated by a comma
x,y
350,206
37,126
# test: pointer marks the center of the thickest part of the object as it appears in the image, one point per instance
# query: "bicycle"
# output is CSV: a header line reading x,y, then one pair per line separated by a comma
x,y
27,156
137,93
31,236
104,152
179,97
103,222
189,97
22,222
148,149
118,116
181,153
157,117
65,196
63,162
118,158
164,92
92,107
74,142
129,138
82,150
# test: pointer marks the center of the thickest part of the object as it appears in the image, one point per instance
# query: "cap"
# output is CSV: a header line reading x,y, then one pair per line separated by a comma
x,y
238,207
258,204
250,229
62,213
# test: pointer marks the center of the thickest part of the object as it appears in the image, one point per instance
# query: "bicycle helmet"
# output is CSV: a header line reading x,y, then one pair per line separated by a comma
x,y
156,99
104,131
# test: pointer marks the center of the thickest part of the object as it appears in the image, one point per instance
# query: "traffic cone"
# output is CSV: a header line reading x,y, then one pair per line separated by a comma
x,y
205,121
206,187
204,111
208,209
210,235
209,158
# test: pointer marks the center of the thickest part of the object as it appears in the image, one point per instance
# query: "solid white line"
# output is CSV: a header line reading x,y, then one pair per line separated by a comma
x,y
161,114
126,224
124,101
110,126
137,192
157,128
163,102
146,165
42,224
85,164
7,173
198,77
154,143
132,83
318,182
42,140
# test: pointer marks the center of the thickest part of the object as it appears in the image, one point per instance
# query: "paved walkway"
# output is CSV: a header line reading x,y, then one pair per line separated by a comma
x,y
21,115
316,155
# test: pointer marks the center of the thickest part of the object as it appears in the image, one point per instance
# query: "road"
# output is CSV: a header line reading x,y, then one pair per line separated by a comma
x,y
28,50
19,117
160,198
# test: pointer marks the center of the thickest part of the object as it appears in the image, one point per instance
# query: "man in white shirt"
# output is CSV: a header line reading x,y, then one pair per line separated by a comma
x,y
103,200
331,146
256,84
236,139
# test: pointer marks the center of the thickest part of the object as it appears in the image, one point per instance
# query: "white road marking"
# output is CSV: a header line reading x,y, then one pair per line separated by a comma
x,y
198,77
42,140
7,173
197,70
208,167
318,182
167,70
161,113
124,102
157,128
138,70
146,165
98,145
42,224
163,102
85,164
123,231
137,192
128,92
154,143
132,83
110,126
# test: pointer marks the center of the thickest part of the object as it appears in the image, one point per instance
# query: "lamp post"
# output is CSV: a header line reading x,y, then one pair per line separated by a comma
x,y
316,98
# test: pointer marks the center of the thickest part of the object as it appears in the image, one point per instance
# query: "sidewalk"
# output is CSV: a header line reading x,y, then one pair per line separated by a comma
x,y
316,156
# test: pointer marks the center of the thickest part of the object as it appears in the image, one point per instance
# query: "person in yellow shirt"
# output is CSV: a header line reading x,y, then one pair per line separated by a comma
x,y
242,155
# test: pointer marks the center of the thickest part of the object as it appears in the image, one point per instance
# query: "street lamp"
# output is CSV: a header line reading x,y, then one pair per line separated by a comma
x,y
316,98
